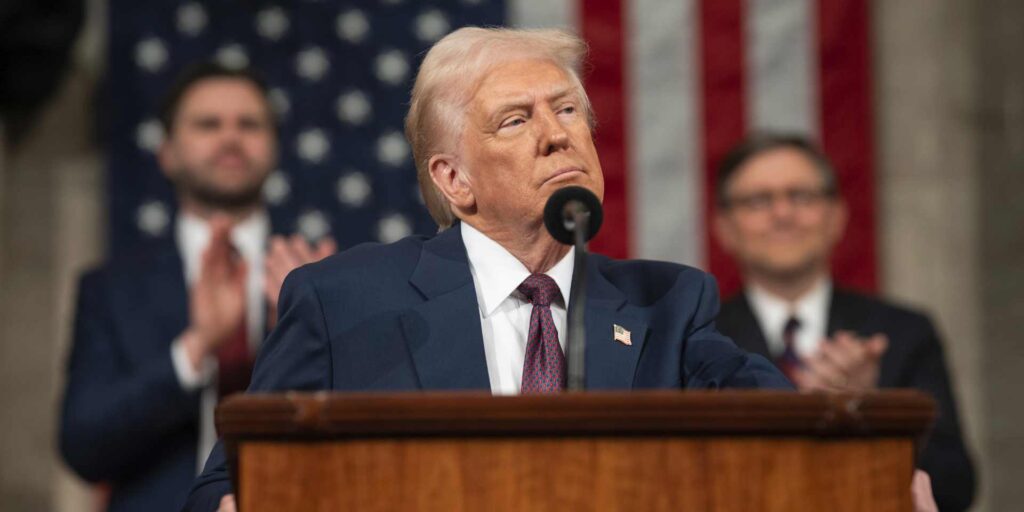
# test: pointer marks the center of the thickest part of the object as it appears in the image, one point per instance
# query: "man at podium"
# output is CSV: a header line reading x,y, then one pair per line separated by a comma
x,y
498,121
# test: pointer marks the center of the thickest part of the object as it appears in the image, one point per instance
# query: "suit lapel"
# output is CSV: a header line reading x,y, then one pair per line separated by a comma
x,y
149,292
610,364
167,292
748,330
443,333
844,314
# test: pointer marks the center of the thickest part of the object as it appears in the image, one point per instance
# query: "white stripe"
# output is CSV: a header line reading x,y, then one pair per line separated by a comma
x,y
663,132
543,14
782,66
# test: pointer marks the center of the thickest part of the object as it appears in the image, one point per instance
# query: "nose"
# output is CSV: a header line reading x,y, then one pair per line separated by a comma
x,y
232,130
553,137
782,207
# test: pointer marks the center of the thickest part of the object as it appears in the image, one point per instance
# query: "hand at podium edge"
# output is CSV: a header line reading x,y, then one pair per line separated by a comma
x,y
920,493
227,504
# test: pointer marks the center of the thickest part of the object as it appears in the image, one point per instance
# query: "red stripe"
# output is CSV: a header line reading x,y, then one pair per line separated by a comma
x,y
724,111
602,27
847,135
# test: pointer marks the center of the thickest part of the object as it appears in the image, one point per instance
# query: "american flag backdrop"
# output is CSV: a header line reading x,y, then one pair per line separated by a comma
x,y
673,83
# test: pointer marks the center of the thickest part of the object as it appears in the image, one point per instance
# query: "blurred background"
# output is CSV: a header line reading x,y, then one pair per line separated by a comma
x,y
920,104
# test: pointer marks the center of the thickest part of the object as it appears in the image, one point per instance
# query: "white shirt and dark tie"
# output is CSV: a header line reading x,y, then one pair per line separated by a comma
x,y
505,313
810,313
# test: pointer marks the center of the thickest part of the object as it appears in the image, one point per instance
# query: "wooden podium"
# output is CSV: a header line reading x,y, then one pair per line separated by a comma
x,y
639,451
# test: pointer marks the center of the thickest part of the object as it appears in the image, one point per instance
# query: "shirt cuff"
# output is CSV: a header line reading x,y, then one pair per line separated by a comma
x,y
188,377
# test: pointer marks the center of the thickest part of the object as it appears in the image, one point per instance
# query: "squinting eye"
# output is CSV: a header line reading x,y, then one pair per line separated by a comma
x,y
513,122
569,110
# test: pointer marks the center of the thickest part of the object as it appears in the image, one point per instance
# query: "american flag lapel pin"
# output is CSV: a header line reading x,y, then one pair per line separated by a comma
x,y
621,335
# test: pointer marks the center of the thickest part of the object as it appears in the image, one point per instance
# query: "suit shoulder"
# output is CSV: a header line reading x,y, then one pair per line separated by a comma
x,y
734,302
127,265
888,314
647,281
369,259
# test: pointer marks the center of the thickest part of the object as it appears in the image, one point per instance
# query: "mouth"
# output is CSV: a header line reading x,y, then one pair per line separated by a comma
x,y
565,174
230,161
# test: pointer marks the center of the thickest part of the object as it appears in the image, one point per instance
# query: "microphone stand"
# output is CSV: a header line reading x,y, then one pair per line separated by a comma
x,y
577,219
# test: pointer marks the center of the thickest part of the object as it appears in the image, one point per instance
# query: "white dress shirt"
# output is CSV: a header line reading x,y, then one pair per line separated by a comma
x,y
249,237
504,312
811,310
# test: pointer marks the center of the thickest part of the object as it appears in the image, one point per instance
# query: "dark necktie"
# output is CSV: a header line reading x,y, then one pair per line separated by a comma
x,y
788,361
544,366
234,362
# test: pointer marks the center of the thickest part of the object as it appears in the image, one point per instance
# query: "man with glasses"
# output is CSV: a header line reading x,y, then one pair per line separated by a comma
x,y
780,214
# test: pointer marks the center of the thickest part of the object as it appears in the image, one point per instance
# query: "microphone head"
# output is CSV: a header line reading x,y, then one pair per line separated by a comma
x,y
560,206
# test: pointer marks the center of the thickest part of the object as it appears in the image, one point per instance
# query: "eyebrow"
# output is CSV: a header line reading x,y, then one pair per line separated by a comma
x,y
525,101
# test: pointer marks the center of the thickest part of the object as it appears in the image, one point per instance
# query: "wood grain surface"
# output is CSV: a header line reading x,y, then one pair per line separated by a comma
x,y
604,452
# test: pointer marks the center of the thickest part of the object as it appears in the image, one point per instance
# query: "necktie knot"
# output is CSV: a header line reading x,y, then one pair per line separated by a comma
x,y
788,361
540,289
789,330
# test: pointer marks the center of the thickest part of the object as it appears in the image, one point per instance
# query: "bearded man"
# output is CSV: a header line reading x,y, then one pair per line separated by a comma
x,y
163,330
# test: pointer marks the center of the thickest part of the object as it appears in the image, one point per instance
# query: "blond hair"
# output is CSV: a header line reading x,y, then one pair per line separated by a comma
x,y
448,77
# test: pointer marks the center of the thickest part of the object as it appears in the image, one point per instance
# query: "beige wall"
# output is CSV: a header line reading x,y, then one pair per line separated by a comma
x,y
950,117
950,98
51,221
999,67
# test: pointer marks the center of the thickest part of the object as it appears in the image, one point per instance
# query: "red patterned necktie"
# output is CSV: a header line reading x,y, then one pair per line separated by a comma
x,y
544,366
789,361
234,362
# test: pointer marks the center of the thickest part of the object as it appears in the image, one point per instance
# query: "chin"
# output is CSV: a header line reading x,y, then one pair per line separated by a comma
x,y
789,268
576,180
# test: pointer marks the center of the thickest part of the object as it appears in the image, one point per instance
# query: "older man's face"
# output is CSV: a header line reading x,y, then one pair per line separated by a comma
x,y
526,136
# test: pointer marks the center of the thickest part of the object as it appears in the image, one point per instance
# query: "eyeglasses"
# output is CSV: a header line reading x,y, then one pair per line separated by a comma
x,y
763,201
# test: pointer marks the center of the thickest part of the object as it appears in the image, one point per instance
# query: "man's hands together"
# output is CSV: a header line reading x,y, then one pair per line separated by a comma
x,y
217,300
846,363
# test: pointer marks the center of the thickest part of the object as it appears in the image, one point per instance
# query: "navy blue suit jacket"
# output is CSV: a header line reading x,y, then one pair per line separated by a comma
x,y
405,317
126,420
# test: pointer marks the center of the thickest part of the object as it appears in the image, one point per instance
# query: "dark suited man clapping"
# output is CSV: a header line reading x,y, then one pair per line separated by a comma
x,y
166,328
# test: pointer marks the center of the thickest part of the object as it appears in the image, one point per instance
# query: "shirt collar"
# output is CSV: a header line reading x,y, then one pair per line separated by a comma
x,y
250,235
497,273
193,234
772,312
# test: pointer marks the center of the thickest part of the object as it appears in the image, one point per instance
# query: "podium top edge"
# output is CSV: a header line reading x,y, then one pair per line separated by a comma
x,y
296,415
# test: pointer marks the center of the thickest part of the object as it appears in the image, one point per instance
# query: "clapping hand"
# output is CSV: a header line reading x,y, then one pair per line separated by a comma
x,y
217,298
846,363
287,254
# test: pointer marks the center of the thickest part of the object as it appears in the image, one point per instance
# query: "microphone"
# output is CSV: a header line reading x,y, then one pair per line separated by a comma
x,y
573,215
564,206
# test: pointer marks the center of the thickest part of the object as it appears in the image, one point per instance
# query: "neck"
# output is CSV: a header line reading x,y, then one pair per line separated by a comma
x,y
531,245
206,212
790,288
